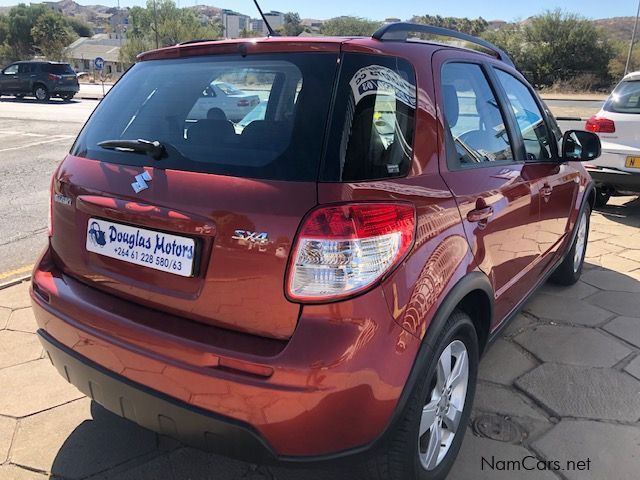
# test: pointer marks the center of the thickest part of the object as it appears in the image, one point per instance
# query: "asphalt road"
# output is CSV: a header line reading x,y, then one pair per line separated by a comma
x,y
34,138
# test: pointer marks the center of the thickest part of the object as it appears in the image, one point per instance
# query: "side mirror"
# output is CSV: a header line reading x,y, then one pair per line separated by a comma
x,y
580,146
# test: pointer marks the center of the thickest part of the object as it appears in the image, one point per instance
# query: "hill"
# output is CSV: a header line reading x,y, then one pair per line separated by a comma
x,y
616,28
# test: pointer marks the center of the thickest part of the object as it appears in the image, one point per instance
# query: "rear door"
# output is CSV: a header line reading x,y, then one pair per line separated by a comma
x,y
205,231
486,172
26,75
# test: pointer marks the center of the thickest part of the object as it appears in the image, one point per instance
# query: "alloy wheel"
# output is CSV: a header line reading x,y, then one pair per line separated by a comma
x,y
41,93
441,415
581,242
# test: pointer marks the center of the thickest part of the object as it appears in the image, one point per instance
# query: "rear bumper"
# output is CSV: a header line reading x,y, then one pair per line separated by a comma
x,y
616,179
155,411
331,390
64,89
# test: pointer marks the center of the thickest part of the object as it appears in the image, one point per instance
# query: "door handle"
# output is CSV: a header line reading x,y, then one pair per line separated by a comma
x,y
480,214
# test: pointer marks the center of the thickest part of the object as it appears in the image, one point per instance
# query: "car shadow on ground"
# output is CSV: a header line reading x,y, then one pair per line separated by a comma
x,y
107,447
627,213
52,101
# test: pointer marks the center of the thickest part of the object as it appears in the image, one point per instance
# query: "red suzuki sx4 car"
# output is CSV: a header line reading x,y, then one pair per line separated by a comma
x,y
297,249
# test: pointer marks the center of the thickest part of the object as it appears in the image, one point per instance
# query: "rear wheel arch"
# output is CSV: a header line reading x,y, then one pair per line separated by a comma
x,y
473,287
478,305
473,294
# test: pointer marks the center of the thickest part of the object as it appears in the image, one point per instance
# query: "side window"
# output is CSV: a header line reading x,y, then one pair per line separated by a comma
x,y
474,117
11,70
530,119
373,122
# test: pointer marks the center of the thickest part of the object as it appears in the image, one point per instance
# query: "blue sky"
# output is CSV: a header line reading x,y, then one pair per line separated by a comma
x,y
490,10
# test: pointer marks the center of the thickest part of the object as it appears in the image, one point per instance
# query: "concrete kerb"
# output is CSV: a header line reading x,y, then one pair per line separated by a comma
x,y
15,281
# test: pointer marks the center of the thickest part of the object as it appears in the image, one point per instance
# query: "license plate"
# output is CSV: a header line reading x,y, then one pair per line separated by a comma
x,y
147,248
632,162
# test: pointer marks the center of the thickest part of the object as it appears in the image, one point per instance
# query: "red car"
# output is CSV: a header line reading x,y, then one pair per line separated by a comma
x,y
323,281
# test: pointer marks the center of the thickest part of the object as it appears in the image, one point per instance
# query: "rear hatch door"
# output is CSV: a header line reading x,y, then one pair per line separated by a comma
x,y
205,230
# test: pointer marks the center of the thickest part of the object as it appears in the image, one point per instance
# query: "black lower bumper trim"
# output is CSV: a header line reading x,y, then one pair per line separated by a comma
x,y
621,181
156,411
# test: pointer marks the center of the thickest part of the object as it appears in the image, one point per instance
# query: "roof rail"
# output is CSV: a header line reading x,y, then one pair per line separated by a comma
x,y
407,27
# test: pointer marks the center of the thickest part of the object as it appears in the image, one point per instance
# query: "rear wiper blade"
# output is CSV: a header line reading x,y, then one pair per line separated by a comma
x,y
154,149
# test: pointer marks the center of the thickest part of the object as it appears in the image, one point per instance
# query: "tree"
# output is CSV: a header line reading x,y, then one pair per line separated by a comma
x,y
79,26
51,35
166,22
292,26
465,25
30,30
347,26
556,46
21,20
245,33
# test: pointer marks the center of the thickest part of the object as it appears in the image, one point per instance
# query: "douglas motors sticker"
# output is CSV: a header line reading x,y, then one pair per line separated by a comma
x,y
376,79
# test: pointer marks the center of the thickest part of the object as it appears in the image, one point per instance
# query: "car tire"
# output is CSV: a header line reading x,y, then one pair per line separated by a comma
x,y
602,198
407,455
67,97
569,271
41,93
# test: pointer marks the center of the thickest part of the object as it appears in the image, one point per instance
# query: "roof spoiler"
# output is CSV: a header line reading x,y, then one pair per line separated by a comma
x,y
404,28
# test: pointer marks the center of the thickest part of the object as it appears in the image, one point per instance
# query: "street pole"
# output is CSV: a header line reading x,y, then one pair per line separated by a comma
x,y
633,39
155,22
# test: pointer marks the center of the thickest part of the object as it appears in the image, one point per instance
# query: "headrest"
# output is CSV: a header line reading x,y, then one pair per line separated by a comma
x,y
451,105
216,113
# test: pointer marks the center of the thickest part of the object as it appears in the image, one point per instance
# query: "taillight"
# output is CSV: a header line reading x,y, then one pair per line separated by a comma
x,y
600,125
243,103
342,250
53,77
52,193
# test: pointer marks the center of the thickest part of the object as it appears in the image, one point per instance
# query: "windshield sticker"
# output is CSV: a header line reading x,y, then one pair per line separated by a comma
x,y
376,79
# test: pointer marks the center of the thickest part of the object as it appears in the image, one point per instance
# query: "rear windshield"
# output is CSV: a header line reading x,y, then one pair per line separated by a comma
x,y
625,98
264,116
60,69
259,116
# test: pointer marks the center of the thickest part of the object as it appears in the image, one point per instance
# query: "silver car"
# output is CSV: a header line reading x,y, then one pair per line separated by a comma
x,y
234,102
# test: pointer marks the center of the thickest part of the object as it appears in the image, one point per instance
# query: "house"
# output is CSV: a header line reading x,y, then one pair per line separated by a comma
x,y
82,53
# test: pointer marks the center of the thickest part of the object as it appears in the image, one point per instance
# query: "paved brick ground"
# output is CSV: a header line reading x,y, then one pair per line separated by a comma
x,y
566,373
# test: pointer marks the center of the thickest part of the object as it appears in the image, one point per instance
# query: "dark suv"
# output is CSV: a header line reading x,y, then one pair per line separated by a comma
x,y
40,79
321,280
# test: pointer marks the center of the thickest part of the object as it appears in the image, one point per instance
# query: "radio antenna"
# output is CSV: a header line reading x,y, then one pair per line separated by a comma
x,y
272,33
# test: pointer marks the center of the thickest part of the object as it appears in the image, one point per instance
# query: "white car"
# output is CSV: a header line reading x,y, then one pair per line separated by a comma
x,y
231,100
617,171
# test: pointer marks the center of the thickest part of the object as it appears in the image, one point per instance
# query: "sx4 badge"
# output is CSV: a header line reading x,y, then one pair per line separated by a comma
x,y
249,236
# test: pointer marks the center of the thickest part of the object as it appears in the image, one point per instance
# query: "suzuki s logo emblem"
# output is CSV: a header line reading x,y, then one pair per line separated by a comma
x,y
141,182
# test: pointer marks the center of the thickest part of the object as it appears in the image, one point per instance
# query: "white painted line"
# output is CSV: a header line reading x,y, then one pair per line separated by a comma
x,y
35,144
38,135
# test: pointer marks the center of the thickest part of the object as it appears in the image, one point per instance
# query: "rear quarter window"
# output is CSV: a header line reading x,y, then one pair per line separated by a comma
x,y
372,128
625,98
60,69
